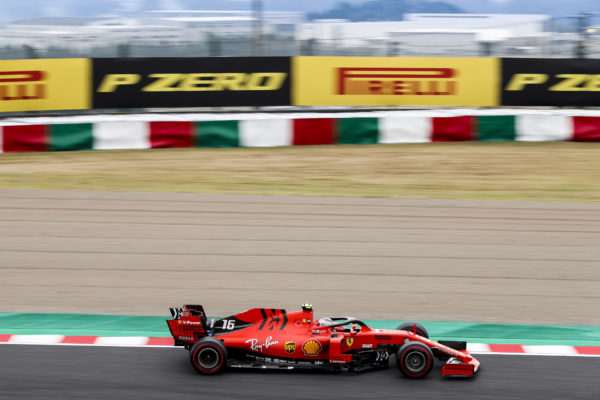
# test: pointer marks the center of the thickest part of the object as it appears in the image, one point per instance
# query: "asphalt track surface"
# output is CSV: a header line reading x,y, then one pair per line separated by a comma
x,y
398,259
74,372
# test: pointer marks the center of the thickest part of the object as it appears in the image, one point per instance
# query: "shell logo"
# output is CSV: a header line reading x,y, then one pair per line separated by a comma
x,y
311,347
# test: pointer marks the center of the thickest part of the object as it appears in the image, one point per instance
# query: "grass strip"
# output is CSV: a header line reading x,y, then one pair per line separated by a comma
x,y
479,170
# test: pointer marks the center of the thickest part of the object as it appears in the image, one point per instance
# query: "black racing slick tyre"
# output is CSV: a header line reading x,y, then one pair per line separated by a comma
x,y
410,326
414,360
208,355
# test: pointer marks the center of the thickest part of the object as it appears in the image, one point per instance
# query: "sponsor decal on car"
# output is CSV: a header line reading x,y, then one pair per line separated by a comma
x,y
311,347
349,342
186,322
367,346
383,337
290,347
254,346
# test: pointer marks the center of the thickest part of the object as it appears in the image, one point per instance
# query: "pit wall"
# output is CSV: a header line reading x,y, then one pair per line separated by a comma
x,y
145,131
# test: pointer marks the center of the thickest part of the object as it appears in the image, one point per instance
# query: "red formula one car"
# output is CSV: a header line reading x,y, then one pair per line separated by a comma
x,y
274,338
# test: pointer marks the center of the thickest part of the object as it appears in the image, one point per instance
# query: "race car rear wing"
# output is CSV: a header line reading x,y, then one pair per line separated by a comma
x,y
189,323
192,309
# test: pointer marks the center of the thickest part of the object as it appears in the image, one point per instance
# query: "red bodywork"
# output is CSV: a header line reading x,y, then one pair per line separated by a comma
x,y
277,337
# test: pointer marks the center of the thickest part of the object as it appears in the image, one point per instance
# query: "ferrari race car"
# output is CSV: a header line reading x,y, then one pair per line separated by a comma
x,y
274,338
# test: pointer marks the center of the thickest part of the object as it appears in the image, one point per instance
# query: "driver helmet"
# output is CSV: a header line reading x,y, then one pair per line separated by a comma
x,y
325,322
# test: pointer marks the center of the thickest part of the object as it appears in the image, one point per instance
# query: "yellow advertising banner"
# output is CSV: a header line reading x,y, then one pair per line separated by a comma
x,y
395,81
45,84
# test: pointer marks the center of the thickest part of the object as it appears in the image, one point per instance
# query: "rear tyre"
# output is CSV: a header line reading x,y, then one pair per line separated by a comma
x,y
208,355
410,326
414,360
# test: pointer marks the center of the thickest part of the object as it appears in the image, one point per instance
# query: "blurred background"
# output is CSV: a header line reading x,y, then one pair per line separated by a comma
x,y
196,28
247,200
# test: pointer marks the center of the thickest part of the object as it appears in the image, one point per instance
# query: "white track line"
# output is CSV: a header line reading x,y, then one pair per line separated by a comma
x,y
35,339
552,350
122,341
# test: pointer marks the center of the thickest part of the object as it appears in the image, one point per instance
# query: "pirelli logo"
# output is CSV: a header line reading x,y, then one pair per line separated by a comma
x,y
45,84
398,81
390,81
22,85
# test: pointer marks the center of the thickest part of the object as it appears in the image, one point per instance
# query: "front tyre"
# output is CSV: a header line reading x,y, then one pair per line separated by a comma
x,y
414,360
208,355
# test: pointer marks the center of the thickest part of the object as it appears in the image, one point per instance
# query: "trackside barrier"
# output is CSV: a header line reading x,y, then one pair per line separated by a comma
x,y
271,130
141,83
